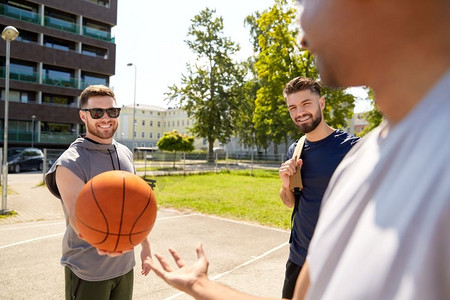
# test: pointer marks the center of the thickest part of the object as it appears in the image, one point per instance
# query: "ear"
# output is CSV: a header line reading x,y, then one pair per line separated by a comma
x,y
82,116
322,103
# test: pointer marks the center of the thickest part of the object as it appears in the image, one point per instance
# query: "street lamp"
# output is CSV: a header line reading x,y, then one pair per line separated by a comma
x,y
9,34
32,130
134,104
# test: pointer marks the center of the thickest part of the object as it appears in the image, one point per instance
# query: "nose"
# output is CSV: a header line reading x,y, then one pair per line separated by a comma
x,y
302,40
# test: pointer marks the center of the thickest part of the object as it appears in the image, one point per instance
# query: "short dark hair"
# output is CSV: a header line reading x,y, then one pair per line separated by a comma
x,y
95,90
300,84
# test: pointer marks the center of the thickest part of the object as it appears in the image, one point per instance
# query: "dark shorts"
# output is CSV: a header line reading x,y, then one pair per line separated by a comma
x,y
119,288
290,278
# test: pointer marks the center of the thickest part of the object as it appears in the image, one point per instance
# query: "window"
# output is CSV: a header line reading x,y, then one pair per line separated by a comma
x,y
27,36
159,135
159,124
58,76
94,51
20,96
96,30
143,122
143,135
59,44
151,123
57,99
60,20
91,78
151,135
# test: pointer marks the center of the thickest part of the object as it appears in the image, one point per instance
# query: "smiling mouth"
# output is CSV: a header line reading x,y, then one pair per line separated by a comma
x,y
302,119
105,126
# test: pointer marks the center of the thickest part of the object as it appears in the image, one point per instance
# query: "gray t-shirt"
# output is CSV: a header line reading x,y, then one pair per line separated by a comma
x,y
384,227
87,159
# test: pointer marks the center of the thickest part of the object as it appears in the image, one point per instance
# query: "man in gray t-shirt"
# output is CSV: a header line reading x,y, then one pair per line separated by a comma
x,y
91,273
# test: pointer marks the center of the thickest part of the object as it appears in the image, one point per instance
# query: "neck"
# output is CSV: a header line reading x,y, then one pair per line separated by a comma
x,y
320,132
413,63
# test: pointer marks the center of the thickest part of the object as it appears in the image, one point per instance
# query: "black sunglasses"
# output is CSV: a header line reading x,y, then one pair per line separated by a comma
x,y
97,113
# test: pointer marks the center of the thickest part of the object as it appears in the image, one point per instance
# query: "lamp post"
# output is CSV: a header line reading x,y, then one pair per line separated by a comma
x,y
8,34
134,104
32,130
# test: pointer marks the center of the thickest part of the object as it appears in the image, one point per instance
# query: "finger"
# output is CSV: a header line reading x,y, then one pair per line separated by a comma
x,y
177,258
145,269
158,271
200,251
300,162
162,261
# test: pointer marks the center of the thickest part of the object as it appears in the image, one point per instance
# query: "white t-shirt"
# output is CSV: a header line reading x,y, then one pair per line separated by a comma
x,y
384,225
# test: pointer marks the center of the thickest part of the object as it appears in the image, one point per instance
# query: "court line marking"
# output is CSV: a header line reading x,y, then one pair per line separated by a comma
x,y
218,276
32,226
32,240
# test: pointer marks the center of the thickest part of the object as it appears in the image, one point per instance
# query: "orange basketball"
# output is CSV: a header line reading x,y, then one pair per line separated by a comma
x,y
115,211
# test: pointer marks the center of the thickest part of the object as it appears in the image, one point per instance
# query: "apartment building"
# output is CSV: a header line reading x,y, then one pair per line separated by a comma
x,y
150,125
62,47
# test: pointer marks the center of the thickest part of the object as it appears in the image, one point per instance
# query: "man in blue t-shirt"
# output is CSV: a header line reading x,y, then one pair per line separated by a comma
x,y
323,150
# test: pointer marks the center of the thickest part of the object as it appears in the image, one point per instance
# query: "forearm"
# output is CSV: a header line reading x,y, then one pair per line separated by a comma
x,y
205,289
287,196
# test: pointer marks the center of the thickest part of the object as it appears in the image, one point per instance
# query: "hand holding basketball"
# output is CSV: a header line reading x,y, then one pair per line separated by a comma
x,y
115,211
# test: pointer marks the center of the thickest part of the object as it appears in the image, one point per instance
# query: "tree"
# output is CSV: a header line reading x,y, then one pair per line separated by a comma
x,y
373,117
176,142
209,91
278,60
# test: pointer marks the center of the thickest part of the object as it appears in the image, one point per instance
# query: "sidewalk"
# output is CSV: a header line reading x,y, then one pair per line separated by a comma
x,y
31,201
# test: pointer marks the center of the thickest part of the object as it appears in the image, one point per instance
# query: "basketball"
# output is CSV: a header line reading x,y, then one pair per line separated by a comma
x,y
115,211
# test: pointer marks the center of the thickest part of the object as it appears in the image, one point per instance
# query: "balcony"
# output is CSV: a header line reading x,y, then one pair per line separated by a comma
x,y
61,82
19,14
31,17
20,136
61,25
26,77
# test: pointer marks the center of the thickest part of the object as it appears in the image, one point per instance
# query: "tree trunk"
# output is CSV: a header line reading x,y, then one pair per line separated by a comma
x,y
210,150
174,158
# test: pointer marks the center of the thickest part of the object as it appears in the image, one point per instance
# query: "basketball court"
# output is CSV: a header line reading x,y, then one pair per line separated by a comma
x,y
245,256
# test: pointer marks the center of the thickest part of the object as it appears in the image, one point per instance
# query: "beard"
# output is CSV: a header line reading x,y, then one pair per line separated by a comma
x,y
102,134
311,124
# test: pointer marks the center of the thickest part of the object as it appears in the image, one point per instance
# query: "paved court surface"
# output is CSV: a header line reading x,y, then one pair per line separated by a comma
x,y
248,257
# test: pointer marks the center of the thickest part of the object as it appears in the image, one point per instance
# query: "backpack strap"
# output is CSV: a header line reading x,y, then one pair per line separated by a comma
x,y
295,181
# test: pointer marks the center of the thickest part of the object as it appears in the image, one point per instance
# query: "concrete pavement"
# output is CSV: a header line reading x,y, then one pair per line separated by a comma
x,y
248,257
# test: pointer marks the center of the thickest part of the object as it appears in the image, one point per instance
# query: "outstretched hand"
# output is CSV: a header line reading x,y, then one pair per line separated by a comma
x,y
184,277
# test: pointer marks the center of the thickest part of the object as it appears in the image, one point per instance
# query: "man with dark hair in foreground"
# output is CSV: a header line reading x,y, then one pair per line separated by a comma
x,y
384,225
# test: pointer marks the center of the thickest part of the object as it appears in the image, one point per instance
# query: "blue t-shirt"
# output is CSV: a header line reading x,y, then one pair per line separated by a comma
x,y
320,159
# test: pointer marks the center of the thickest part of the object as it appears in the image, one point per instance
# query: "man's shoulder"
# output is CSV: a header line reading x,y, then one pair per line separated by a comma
x,y
344,137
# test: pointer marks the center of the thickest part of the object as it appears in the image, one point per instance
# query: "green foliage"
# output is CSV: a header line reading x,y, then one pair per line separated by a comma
x,y
176,142
278,59
209,90
373,117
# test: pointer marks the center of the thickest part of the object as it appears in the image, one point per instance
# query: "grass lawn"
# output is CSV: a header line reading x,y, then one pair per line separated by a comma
x,y
234,195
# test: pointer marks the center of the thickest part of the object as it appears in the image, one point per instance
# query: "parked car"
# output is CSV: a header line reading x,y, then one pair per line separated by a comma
x,y
24,159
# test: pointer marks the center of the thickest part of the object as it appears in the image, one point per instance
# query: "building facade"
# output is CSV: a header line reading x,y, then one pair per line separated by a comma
x,y
150,125
62,47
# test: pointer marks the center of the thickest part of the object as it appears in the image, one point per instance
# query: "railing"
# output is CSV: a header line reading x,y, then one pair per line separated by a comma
x,y
57,137
61,82
31,17
61,24
21,136
20,14
27,77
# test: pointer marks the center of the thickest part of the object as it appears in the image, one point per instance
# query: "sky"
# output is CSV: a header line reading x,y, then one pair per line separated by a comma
x,y
150,34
